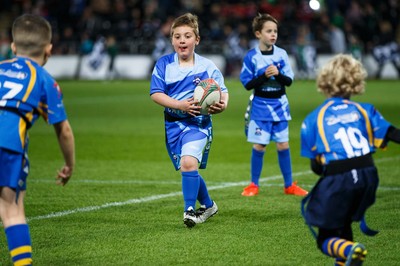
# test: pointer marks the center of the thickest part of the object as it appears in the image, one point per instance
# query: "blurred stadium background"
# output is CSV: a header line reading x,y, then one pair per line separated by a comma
x,y
100,39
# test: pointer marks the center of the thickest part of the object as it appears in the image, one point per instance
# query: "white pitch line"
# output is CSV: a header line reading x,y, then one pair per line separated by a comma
x,y
141,200
173,194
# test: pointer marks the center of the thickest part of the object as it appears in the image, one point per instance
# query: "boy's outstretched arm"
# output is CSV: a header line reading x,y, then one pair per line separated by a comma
x,y
393,134
66,140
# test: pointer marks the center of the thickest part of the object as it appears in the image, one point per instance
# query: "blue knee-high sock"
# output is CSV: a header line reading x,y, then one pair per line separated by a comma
x,y
203,197
19,244
286,166
257,158
190,188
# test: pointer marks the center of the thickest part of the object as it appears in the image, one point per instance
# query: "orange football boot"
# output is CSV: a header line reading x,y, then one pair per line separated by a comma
x,y
294,189
250,190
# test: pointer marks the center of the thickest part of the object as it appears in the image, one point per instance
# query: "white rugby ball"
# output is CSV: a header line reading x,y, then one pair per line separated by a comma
x,y
207,92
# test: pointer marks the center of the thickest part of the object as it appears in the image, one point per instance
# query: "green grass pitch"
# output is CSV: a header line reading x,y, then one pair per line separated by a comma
x,y
124,206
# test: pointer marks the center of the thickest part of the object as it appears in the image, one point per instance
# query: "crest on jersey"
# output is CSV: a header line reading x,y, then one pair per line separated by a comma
x,y
196,81
57,87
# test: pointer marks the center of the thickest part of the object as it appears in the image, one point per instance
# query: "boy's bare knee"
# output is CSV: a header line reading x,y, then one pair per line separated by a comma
x,y
189,163
280,146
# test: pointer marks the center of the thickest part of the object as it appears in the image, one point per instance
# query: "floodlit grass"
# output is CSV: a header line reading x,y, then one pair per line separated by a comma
x,y
124,204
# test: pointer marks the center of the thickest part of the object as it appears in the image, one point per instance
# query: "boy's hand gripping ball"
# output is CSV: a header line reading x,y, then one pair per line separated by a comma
x,y
207,93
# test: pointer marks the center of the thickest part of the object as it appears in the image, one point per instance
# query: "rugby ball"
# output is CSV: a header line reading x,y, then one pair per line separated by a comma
x,y
206,93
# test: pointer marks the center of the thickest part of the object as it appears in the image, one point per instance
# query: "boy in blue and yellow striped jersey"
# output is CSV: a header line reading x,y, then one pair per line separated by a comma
x,y
27,91
340,137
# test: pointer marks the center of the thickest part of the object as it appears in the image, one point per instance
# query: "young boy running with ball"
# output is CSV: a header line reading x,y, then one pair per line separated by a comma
x,y
188,133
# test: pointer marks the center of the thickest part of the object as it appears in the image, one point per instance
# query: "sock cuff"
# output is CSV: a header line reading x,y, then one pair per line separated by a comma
x,y
258,153
191,174
283,151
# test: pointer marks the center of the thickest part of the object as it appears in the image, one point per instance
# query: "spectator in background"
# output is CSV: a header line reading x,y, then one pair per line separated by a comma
x,y
387,50
337,39
68,43
369,30
85,48
5,46
112,51
86,44
355,47
235,48
96,57
304,53
162,43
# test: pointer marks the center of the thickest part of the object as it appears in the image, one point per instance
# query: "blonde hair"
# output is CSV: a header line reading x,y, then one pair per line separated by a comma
x,y
343,76
31,34
187,19
260,19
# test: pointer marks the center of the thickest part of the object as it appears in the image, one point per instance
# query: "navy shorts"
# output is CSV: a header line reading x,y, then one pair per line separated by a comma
x,y
337,200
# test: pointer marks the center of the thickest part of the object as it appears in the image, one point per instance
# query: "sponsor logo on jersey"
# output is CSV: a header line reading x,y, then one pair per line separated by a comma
x,y
344,119
13,74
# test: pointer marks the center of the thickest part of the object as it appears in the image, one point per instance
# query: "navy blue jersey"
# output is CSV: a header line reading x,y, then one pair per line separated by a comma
x,y
342,129
254,65
27,91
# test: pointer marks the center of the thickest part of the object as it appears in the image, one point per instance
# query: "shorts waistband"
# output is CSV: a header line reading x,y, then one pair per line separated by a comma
x,y
270,94
15,111
342,166
170,118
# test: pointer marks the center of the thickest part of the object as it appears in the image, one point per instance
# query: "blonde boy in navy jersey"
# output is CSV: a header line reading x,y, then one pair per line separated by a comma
x,y
339,137
27,91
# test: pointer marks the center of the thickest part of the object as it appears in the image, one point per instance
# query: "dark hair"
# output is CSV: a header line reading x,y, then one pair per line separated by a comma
x,y
260,19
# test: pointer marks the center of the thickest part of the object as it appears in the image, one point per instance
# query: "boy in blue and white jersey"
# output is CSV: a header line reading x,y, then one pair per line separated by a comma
x,y
188,133
340,137
27,91
267,71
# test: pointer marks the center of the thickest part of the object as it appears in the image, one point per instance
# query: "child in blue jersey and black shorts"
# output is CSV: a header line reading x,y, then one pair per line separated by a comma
x,y
27,91
266,70
188,133
340,137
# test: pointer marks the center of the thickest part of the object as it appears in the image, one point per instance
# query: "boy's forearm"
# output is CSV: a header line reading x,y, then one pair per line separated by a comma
x,y
66,140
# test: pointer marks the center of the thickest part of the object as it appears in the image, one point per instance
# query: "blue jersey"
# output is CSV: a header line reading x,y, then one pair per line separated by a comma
x,y
179,82
342,129
254,65
27,91
181,128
